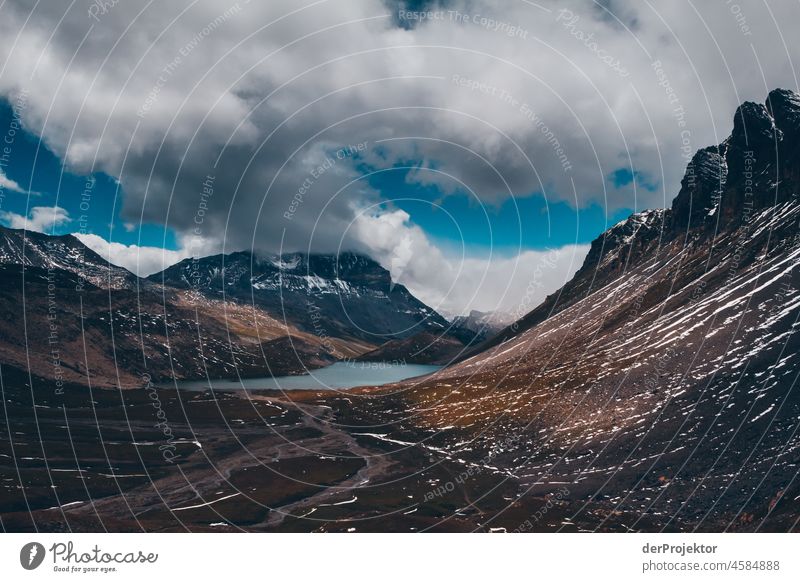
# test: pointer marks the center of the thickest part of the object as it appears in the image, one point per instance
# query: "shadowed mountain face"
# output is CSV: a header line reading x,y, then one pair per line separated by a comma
x,y
421,348
478,326
346,295
73,332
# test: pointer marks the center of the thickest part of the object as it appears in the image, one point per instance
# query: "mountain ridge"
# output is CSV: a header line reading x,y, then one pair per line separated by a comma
x,y
705,203
660,382
65,252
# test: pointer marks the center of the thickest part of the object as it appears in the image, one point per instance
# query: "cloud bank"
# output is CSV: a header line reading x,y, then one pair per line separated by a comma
x,y
270,103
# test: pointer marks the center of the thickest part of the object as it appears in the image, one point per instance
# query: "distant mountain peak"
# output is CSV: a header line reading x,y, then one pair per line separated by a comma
x,y
353,291
63,252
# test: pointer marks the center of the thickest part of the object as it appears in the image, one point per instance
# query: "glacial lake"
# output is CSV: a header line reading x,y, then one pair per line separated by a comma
x,y
338,376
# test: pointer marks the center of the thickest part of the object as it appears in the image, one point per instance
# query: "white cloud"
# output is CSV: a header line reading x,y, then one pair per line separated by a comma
x,y
41,219
454,284
7,183
142,260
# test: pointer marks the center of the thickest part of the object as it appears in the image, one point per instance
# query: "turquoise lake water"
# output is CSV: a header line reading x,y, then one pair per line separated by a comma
x,y
339,376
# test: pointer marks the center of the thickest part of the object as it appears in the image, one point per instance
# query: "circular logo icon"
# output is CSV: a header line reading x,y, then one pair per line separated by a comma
x,y
31,555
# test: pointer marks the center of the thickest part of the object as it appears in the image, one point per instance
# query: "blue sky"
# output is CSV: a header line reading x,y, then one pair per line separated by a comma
x,y
522,222
39,171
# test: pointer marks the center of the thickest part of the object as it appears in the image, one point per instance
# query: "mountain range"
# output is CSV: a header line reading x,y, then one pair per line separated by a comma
x,y
236,315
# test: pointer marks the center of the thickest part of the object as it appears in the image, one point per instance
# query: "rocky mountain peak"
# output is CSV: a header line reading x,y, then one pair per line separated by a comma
x,y
611,249
784,106
754,127
701,187
723,187
66,253
352,267
759,151
338,295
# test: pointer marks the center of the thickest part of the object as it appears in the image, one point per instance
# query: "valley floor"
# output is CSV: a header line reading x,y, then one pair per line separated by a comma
x,y
166,460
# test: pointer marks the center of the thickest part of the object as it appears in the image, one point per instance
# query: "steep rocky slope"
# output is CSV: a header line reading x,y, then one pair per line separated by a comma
x,y
659,384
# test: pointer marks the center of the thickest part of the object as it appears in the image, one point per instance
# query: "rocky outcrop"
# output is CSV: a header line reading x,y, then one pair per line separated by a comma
x,y
701,189
723,187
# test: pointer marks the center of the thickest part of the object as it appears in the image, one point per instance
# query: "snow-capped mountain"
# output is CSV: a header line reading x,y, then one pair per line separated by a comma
x,y
65,253
345,295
